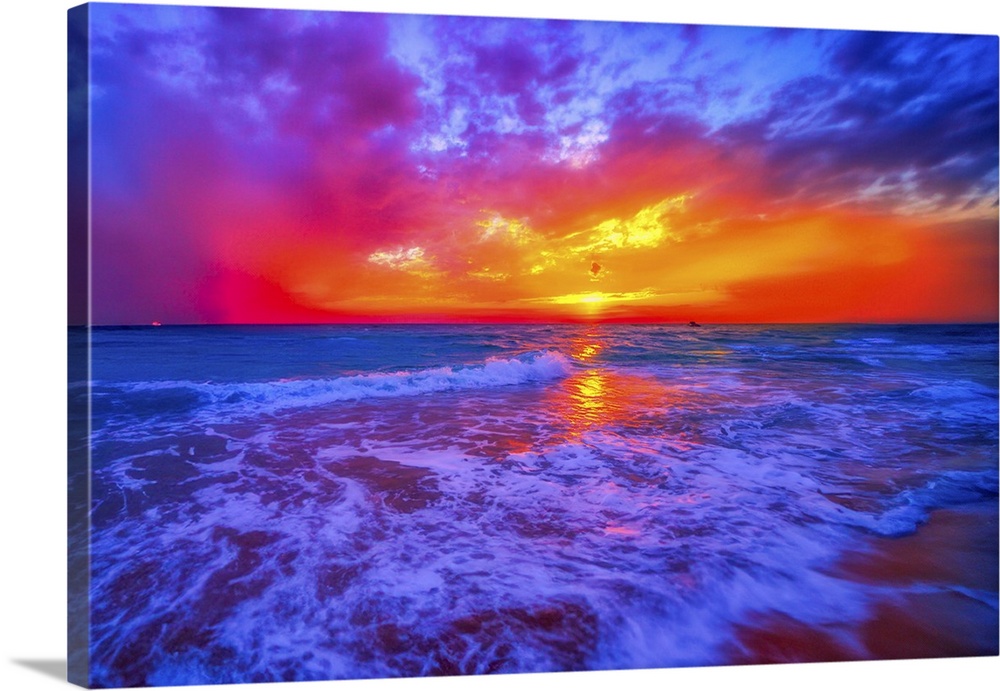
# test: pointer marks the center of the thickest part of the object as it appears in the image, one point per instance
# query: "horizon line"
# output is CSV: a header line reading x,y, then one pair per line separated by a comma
x,y
688,323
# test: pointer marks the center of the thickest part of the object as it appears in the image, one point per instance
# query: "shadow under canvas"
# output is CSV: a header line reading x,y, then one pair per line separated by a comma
x,y
50,668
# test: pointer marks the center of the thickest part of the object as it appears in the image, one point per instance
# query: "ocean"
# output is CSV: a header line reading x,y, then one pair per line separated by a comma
x,y
278,503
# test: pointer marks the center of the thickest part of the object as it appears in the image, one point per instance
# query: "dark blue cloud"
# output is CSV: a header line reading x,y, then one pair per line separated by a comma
x,y
914,115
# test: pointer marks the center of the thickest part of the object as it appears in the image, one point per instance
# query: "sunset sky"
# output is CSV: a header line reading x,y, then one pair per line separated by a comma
x,y
254,166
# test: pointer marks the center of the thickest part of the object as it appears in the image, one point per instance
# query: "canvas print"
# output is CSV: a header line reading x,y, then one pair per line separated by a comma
x,y
411,345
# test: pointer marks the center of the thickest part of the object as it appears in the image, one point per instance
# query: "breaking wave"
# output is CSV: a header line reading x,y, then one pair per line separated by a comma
x,y
532,367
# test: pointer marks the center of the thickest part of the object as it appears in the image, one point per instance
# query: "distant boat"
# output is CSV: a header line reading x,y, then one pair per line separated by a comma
x,y
159,324
693,323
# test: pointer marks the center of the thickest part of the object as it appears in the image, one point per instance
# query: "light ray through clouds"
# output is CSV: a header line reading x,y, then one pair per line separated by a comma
x,y
279,166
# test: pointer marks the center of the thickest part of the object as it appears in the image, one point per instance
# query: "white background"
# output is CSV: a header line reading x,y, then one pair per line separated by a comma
x,y
32,333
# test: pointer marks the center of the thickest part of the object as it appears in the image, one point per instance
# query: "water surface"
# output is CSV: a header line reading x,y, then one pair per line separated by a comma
x,y
292,503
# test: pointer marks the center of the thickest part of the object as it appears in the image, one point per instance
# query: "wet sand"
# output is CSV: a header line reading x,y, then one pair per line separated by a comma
x,y
935,596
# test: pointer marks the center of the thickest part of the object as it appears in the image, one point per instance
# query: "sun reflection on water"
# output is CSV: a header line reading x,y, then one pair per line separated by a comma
x,y
591,399
586,347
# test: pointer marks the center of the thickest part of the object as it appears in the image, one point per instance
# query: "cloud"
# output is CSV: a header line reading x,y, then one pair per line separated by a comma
x,y
223,135
342,162
898,108
411,260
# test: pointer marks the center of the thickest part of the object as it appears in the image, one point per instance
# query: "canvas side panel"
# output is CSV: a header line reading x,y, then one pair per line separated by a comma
x,y
78,313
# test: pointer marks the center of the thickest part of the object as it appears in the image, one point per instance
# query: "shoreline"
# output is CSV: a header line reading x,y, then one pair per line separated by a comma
x,y
930,598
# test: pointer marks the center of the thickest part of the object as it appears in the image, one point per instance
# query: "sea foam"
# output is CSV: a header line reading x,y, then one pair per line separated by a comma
x,y
531,367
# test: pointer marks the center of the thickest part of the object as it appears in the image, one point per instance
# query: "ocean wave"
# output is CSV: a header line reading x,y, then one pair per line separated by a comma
x,y
865,342
910,508
538,366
